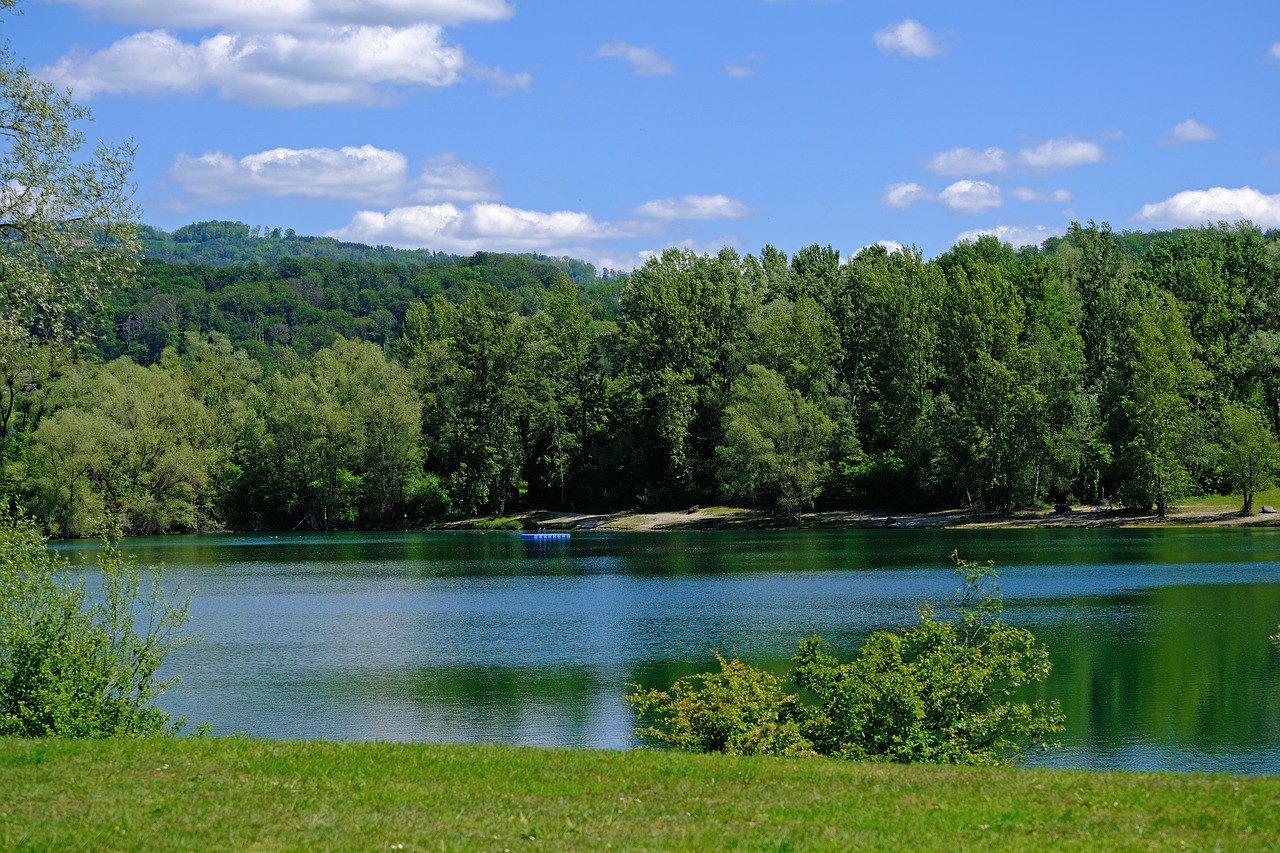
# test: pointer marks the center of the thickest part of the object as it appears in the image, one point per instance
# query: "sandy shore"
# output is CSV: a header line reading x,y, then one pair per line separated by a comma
x,y
728,518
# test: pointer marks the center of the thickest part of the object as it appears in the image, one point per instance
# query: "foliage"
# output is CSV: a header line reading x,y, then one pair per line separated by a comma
x,y
1164,422
1250,453
1095,367
124,448
774,444
74,664
334,444
945,691
68,228
67,232
740,710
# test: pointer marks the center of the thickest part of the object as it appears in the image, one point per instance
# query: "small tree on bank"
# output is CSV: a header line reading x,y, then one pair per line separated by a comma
x,y
943,691
1250,453
72,666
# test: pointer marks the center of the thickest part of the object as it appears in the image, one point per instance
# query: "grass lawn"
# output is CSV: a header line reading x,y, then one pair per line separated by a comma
x,y
1227,503
244,794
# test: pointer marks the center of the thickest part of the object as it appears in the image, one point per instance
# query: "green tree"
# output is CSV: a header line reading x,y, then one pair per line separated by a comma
x,y
891,344
1093,269
126,448
72,665
684,326
799,342
993,410
569,388
1250,452
67,225
334,442
1160,405
471,365
775,444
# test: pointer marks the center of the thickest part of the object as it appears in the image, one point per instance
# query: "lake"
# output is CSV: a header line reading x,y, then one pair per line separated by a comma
x,y
1159,638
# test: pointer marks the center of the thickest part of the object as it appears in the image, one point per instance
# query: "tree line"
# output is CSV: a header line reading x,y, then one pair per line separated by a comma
x,y
1100,367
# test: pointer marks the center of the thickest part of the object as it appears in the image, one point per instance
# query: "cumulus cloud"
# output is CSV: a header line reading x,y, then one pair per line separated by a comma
x,y
289,53
644,61
1219,204
349,64
904,194
968,161
1189,131
908,38
694,207
1015,235
353,174
1058,154
971,196
1028,194
363,174
292,15
481,227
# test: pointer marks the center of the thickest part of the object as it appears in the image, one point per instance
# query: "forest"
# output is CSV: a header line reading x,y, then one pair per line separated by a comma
x,y
247,378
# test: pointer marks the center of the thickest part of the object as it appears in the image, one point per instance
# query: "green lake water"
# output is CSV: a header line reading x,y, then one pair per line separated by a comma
x,y
1159,638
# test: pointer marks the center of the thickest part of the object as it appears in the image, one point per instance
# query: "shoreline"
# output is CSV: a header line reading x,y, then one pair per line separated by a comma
x,y
737,518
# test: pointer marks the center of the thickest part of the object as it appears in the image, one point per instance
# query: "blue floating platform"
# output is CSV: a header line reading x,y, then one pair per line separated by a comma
x,y
543,536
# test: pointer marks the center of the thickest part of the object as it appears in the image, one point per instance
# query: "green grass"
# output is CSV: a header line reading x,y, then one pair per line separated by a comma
x,y
243,794
1229,503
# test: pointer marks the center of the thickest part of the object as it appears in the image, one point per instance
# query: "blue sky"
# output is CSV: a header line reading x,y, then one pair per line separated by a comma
x,y
611,130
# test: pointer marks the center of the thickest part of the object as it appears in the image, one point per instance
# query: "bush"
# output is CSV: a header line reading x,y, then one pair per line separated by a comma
x,y
740,710
76,666
943,691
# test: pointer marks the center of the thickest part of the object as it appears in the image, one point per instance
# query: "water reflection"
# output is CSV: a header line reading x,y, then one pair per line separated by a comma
x,y
1159,638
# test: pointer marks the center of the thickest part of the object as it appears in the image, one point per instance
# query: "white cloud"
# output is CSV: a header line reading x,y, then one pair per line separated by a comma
x,y
447,177
968,161
644,61
1219,204
971,196
1015,235
355,174
1028,194
1275,50
738,72
286,53
1060,154
349,64
905,194
908,38
694,207
293,15
1189,131
481,227
364,174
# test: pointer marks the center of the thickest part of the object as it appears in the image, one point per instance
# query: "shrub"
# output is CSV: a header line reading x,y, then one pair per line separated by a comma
x,y
739,710
76,665
943,691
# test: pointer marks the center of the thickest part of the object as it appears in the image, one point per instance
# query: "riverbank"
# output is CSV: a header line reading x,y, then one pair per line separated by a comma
x,y
1209,512
245,794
